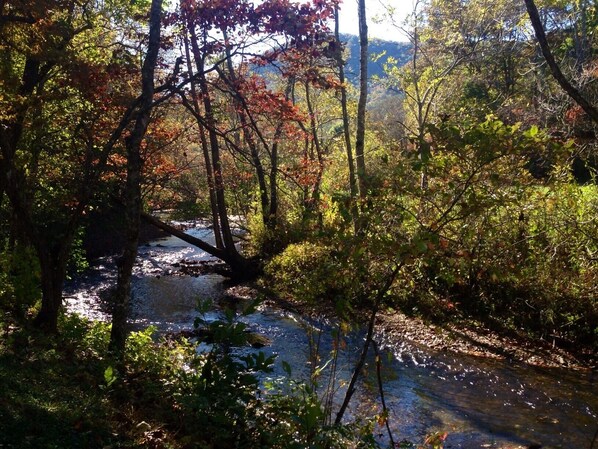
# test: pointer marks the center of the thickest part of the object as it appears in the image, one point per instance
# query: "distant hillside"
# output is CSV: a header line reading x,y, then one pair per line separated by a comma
x,y
401,51
398,50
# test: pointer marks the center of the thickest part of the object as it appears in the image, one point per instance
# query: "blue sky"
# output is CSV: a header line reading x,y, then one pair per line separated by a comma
x,y
374,8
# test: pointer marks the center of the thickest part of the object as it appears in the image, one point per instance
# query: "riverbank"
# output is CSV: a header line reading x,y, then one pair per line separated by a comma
x,y
482,388
473,339
459,337
478,400
68,391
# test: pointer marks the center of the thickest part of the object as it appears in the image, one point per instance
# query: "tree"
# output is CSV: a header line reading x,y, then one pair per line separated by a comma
x,y
340,62
60,123
232,256
204,144
241,112
133,202
361,105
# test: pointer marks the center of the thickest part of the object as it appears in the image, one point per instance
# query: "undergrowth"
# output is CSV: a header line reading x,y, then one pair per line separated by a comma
x,y
67,391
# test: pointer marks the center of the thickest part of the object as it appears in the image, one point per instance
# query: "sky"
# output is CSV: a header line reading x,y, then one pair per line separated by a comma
x,y
374,9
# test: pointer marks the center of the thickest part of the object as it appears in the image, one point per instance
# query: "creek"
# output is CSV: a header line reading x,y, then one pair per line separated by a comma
x,y
481,403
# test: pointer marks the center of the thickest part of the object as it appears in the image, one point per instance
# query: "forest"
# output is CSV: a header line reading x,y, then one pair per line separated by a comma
x,y
445,178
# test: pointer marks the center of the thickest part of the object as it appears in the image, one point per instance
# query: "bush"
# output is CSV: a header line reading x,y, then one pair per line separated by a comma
x,y
223,404
524,263
269,242
309,272
19,280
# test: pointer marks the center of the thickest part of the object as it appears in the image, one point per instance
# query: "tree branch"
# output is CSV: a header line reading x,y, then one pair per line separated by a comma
x,y
554,68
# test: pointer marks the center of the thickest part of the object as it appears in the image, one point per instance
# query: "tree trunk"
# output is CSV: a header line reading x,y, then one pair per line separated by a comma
x,y
259,169
133,192
313,127
248,137
205,151
361,105
227,236
272,216
581,34
273,213
53,272
52,262
220,253
554,68
346,124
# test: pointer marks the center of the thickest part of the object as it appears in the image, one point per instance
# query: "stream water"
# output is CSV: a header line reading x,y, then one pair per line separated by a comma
x,y
481,403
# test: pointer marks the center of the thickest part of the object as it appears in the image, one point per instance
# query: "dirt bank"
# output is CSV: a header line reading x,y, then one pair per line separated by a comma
x,y
473,339
463,337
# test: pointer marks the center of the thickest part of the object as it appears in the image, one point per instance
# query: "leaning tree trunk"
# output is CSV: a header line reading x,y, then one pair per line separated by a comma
x,y
557,74
133,192
241,268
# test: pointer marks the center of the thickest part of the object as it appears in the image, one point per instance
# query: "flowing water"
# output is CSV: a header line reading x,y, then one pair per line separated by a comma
x,y
481,403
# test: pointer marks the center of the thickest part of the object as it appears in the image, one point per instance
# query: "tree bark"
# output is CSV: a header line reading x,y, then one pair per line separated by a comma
x,y
53,270
205,151
554,68
52,262
273,213
133,193
220,253
235,259
241,268
346,124
361,105
313,127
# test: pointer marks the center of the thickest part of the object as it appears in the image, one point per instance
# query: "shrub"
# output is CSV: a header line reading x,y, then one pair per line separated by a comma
x,y
309,272
19,280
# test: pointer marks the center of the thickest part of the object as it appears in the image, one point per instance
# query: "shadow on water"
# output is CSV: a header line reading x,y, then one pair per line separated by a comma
x,y
479,402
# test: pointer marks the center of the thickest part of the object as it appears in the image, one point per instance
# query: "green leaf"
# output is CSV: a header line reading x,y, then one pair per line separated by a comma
x,y
424,153
532,132
109,376
421,246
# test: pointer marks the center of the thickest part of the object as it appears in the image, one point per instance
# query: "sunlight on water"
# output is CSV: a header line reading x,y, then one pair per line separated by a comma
x,y
482,403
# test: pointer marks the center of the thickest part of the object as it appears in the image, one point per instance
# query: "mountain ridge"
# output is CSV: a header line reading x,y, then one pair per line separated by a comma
x,y
400,51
